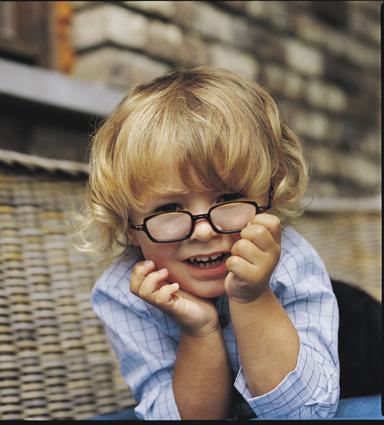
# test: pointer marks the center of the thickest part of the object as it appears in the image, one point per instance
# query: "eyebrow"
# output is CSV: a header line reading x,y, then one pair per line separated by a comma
x,y
163,198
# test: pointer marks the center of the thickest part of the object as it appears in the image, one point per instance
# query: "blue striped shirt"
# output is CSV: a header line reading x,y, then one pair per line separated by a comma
x,y
145,339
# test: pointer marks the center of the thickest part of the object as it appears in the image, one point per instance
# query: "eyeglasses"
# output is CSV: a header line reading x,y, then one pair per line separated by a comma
x,y
227,217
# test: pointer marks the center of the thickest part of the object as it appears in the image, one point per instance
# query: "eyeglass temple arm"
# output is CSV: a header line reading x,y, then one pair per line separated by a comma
x,y
270,197
135,226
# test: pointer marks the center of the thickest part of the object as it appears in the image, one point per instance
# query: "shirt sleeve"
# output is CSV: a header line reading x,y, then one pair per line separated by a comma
x,y
145,353
312,389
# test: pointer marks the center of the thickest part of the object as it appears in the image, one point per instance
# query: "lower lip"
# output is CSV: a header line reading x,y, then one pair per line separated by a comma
x,y
216,271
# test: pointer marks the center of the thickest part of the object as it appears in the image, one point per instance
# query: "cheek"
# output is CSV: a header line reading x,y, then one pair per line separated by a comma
x,y
161,254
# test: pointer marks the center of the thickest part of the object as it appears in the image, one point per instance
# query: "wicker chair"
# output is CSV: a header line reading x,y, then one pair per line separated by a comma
x,y
55,361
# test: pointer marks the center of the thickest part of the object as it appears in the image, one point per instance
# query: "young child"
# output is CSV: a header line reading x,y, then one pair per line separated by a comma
x,y
216,308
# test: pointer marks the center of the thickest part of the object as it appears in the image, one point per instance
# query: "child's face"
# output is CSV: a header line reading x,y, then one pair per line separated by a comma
x,y
206,282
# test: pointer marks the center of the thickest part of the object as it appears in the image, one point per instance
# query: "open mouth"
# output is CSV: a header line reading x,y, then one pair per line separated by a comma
x,y
206,262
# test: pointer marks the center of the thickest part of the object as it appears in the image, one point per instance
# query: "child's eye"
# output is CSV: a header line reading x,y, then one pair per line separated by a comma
x,y
168,208
226,197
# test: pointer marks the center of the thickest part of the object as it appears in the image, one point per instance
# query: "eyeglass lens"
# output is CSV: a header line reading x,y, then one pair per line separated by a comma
x,y
176,225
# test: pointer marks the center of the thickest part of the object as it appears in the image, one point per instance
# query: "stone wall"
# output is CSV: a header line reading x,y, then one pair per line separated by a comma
x,y
320,60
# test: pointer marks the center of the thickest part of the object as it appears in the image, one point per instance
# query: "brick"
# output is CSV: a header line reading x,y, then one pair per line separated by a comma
x,y
322,189
256,9
205,19
312,31
371,143
116,68
165,9
335,98
109,23
232,59
326,96
165,40
76,5
241,33
362,25
310,123
279,16
237,5
336,131
274,77
315,93
194,51
362,54
266,45
353,167
293,86
303,58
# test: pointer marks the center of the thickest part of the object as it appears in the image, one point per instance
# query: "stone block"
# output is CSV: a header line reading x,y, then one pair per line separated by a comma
x,y
293,85
256,9
266,45
116,68
355,168
364,26
165,40
317,33
371,143
235,60
161,8
327,96
236,5
76,5
309,29
194,51
280,15
335,98
210,22
241,33
361,54
304,58
274,77
108,22
312,124
315,93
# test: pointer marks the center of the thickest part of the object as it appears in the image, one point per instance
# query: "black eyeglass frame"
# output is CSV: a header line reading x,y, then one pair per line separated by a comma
x,y
259,210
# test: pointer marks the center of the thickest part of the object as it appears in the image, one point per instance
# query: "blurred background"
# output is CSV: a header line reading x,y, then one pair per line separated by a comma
x,y
320,60
65,64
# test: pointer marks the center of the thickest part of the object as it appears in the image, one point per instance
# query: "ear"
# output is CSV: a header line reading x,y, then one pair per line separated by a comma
x,y
133,237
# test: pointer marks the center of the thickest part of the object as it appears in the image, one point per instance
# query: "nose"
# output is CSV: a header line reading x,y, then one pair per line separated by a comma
x,y
203,231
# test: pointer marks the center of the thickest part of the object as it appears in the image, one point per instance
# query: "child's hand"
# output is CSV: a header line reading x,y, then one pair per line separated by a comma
x,y
196,316
254,257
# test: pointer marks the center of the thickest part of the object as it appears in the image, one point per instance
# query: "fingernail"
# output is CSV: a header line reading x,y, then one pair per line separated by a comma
x,y
148,263
163,271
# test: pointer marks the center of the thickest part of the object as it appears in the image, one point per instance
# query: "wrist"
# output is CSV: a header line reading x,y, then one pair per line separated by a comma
x,y
250,297
203,331
261,297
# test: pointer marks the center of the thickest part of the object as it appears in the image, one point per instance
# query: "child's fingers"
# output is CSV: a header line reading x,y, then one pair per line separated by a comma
x,y
243,270
260,236
165,293
270,222
139,272
247,250
151,283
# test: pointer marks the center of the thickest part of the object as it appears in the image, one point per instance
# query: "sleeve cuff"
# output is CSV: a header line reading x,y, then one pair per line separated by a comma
x,y
293,391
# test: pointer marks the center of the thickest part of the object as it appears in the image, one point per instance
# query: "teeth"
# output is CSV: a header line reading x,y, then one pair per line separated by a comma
x,y
214,259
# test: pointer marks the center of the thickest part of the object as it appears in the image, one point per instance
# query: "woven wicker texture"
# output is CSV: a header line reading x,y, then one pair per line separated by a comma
x,y
349,243
55,361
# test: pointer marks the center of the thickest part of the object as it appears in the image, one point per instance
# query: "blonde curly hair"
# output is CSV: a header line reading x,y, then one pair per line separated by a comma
x,y
206,122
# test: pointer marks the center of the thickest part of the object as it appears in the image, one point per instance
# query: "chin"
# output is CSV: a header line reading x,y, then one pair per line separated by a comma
x,y
209,289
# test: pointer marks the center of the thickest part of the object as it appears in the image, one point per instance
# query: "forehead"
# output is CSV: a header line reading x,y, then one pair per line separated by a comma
x,y
167,183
